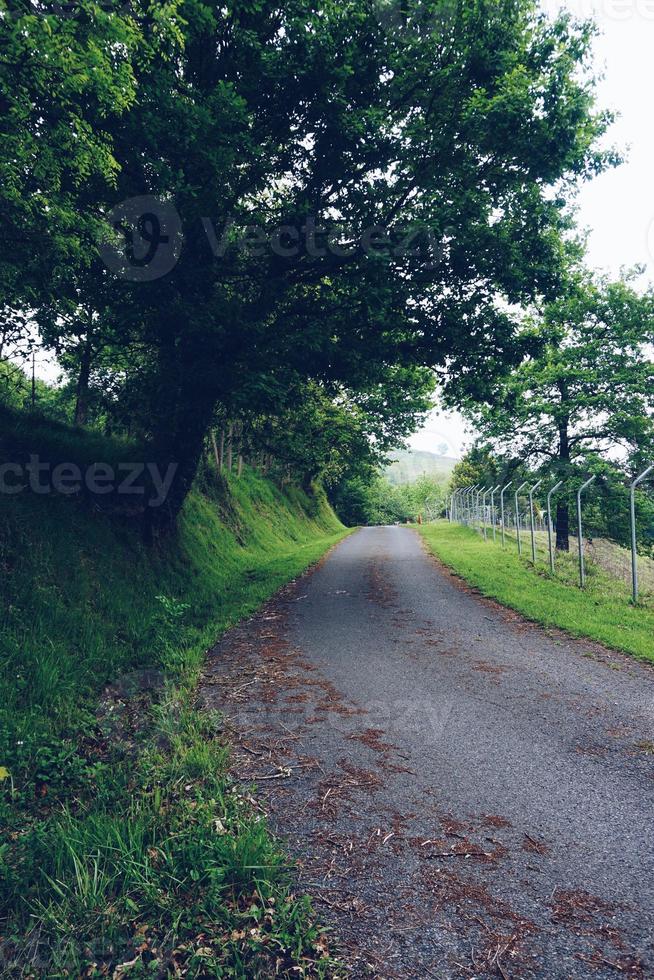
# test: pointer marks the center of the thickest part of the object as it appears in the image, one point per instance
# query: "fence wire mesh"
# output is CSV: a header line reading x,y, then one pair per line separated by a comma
x,y
617,542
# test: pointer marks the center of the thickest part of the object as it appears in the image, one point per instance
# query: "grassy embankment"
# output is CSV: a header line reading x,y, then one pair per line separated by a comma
x,y
602,612
123,840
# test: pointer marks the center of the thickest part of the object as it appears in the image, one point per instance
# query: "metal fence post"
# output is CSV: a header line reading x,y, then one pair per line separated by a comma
x,y
531,520
549,522
474,498
517,514
465,510
471,504
466,513
504,489
493,492
468,505
483,511
634,543
582,566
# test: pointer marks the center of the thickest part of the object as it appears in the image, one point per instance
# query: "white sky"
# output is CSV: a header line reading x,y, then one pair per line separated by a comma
x,y
618,207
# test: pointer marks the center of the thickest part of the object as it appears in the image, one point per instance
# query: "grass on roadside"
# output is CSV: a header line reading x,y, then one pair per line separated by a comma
x,y
602,612
125,848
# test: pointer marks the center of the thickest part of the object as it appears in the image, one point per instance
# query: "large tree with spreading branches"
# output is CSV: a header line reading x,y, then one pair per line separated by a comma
x,y
400,187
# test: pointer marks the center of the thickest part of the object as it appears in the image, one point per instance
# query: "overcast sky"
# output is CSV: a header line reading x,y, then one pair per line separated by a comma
x,y
618,207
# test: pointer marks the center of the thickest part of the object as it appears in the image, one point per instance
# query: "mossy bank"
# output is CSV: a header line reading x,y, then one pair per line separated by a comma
x,y
126,850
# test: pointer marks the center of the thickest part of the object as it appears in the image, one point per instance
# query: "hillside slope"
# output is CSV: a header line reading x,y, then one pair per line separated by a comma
x,y
83,596
410,464
121,839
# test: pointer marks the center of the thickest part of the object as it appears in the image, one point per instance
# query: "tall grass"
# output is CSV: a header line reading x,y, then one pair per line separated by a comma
x,y
124,840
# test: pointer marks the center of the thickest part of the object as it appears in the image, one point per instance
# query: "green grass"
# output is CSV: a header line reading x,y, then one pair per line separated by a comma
x,y
123,839
602,612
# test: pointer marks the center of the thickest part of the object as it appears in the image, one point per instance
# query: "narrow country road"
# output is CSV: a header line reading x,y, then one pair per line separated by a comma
x,y
467,794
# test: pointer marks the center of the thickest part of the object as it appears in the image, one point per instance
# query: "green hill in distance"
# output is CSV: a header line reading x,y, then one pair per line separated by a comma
x,y
410,464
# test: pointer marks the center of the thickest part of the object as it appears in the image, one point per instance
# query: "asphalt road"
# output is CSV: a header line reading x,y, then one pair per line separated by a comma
x,y
467,794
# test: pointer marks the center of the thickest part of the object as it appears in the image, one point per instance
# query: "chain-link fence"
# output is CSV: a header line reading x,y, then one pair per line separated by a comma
x,y
541,520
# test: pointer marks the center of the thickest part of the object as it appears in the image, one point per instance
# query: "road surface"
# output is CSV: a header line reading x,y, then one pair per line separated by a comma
x,y
467,794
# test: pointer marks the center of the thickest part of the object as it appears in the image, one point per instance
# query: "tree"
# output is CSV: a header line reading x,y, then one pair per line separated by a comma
x,y
62,82
93,344
586,389
369,498
66,76
398,187
447,140
478,467
325,433
425,497
370,501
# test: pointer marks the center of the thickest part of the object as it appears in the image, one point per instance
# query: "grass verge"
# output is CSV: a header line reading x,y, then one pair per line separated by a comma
x,y
126,849
602,612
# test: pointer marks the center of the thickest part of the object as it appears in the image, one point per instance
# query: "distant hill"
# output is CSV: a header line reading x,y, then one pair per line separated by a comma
x,y
409,464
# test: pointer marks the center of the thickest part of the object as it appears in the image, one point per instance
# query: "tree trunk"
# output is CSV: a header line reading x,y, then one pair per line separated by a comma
x,y
221,454
230,447
182,411
182,450
216,453
562,526
82,391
